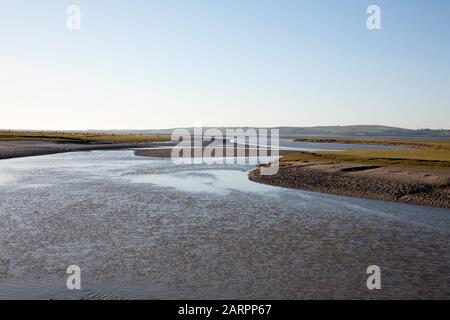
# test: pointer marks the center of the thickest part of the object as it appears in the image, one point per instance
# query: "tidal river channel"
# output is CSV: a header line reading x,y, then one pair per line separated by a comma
x,y
146,228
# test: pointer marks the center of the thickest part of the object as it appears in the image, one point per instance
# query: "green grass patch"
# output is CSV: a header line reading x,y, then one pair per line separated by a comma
x,y
417,144
429,154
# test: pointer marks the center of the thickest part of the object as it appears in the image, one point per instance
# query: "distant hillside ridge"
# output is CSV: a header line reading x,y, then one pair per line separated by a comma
x,y
364,130
343,131
369,131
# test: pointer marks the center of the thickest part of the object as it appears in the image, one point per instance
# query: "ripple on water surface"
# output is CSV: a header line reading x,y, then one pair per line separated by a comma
x,y
146,228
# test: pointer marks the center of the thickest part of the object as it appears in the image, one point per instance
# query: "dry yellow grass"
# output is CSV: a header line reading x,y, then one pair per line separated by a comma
x,y
79,137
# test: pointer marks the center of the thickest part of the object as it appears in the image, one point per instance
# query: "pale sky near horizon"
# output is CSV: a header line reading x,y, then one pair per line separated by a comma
x,y
172,63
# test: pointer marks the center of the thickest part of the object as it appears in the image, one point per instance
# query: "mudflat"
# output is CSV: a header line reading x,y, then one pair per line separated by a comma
x,y
415,185
16,149
226,151
420,175
14,144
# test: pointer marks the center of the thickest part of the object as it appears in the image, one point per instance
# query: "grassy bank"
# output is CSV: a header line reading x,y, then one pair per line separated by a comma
x,y
83,138
417,144
428,153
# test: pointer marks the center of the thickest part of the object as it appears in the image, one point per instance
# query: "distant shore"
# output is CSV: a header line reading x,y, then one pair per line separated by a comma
x,y
15,144
19,149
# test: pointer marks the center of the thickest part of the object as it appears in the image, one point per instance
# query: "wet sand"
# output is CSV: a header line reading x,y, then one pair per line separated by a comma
x,y
228,151
419,186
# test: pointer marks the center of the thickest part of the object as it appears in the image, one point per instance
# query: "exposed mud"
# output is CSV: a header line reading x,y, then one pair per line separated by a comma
x,y
426,187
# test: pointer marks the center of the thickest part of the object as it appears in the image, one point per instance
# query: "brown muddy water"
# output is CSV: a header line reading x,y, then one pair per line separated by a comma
x,y
145,228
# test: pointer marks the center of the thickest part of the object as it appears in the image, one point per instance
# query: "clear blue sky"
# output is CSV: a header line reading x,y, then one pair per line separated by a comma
x,y
157,64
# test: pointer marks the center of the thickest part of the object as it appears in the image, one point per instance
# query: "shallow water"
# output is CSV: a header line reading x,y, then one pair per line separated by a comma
x,y
147,228
290,144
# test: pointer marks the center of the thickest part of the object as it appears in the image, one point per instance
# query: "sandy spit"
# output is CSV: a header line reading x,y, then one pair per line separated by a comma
x,y
419,186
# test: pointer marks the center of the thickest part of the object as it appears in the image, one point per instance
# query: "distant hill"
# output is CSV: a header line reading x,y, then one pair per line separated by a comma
x,y
347,131
361,131
364,130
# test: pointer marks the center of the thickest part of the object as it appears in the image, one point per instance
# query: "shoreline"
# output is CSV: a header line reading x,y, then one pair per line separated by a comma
x,y
21,149
423,186
229,151
418,186
413,185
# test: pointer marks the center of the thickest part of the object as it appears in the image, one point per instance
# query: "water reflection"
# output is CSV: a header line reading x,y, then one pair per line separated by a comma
x,y
215,181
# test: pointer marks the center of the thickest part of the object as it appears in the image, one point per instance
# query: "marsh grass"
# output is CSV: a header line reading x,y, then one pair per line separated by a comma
x,y
428,153
417,144
83,138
